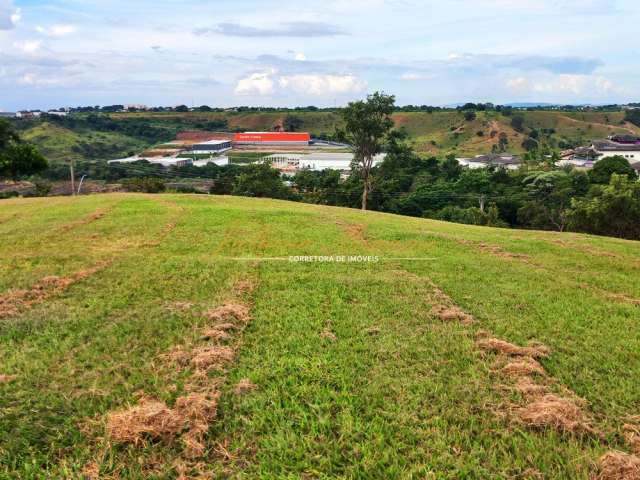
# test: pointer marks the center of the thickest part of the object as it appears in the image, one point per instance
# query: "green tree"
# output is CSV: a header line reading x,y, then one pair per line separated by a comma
x,y
293,123
367,124
260,180
16,157
603,169
470,115
550,195
7,134
517,123
612,209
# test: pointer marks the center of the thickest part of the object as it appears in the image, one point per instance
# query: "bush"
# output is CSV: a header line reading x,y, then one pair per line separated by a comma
x,y
144,185
605,168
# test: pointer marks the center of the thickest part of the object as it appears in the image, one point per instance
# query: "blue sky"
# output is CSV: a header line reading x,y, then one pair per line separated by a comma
x,y
226,53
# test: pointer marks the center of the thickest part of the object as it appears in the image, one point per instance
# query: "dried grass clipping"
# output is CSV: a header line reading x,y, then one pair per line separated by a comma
x,y
618,466
528,388
216,334
244,386
230,311
551,411
522,368
150,418
153,419
502,347
451,314
328,335
211,357
7,378
632,435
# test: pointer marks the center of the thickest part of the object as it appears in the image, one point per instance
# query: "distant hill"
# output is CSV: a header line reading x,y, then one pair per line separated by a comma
x,y
438,133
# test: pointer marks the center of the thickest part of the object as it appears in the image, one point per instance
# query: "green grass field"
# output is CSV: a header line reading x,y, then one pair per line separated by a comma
x,y
356,374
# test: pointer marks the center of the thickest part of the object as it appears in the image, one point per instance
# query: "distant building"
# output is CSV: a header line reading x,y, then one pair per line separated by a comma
x,y
8,114
164,161
58,113
610,148
503,160
212,147
293,162
626,146
272,138
34,114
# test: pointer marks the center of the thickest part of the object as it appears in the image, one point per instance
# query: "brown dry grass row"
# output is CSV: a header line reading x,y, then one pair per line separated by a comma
x,y
543,409
519,366
93,217
15,301
494,250
192,414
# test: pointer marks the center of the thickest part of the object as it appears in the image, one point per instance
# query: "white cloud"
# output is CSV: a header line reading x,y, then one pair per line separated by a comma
x,y
265,83
572,84
300,57
56,30
413,76
322,85
9,15
28,46
259,83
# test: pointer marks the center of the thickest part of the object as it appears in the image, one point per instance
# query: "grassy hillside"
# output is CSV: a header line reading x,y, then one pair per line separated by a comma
x,y
437,133
117,360
61,144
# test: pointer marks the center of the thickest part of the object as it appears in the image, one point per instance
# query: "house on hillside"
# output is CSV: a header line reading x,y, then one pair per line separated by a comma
x,y
626,146
501,160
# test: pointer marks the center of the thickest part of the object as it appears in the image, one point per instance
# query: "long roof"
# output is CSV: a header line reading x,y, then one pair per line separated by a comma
x,y
609,146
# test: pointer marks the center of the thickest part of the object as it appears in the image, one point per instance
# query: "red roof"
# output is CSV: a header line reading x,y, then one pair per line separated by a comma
x,y
272,137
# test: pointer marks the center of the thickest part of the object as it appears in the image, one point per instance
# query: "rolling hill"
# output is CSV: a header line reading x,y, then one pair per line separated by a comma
x,y
60,144
438,133
180,336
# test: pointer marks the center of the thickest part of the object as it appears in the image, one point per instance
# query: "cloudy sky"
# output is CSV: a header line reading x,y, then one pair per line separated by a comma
x,y
247,52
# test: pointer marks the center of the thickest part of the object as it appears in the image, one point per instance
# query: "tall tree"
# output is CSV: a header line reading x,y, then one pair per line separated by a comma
x,y
17,158
367,124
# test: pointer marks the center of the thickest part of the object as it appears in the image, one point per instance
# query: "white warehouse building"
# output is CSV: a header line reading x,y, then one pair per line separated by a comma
x,y
211,147
291,162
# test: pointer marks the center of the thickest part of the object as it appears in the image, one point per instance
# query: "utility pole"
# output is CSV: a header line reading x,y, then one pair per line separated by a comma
x,y
73,179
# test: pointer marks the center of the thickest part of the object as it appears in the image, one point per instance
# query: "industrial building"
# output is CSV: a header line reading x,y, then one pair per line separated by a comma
x,y
272,138
211,147
292,162
503,160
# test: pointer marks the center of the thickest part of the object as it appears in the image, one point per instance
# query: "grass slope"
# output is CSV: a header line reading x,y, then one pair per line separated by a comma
x,y
397,393
60,144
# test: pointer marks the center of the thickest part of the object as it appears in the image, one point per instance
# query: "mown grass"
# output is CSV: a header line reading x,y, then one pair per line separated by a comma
x,y
397,393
